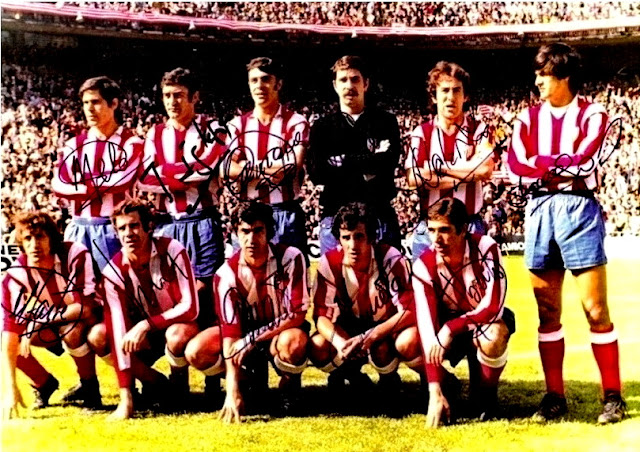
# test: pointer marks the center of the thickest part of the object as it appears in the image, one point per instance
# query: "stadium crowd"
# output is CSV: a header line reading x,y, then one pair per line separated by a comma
x,y
41,110
383,14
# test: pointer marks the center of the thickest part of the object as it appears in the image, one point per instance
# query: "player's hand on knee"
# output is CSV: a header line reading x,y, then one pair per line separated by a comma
x,y
134,338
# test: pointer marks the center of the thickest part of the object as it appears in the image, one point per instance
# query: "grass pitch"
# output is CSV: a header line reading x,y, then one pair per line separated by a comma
x,y
398,425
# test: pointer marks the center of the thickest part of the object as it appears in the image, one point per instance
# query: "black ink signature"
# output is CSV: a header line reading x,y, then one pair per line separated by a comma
x,y
491,271
249,316
41,314
82,175
519,193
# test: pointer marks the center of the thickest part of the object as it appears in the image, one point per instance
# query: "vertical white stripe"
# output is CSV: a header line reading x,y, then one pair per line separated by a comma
x,y
545,129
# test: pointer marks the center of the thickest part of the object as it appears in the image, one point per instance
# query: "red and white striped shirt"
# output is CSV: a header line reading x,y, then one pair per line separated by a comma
x,y
282,142
248,298
96,175
164,150
376,294
70,281
164,294
565,142
471,297
433,148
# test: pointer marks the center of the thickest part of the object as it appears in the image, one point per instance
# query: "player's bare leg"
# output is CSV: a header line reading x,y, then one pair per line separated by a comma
x,y
409,349
97,340
547,288
592,285
203,352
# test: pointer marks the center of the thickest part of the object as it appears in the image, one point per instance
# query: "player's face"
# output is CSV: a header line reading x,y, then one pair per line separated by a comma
x,y
351,87
264,88
356,246
450,98
37,247
552,88
132,235
446,240
179,106
97,111
253,239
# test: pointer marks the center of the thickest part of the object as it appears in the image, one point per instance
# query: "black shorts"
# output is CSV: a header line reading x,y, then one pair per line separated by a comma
x,y
462,345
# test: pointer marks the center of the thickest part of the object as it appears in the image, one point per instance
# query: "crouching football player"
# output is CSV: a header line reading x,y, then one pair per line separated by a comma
x,y
47,297
459,290
261,296
363,305
151,305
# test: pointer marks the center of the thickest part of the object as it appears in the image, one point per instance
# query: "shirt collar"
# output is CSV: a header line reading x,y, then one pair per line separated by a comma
x,y
277,115
93,133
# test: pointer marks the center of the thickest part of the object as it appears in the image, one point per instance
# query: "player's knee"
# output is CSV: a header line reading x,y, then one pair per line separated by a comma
x,y
381,353
598,316
97,339
493,339
198,356
319,350
73,335
292,345
177,339
408,344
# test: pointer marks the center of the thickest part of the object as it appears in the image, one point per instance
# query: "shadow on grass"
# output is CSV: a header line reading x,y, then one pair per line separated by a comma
x,y
518,401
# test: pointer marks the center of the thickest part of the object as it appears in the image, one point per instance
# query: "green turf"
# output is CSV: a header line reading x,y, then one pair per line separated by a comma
x,y
326,424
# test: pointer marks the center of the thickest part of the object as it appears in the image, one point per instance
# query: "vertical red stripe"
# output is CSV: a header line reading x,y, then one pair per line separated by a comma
x,y
470,197
531,140
556,134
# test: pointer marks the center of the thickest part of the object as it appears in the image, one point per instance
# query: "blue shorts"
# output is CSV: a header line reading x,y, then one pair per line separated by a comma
x,y
201,234
98,235
563,231
291,225
388,232
421,240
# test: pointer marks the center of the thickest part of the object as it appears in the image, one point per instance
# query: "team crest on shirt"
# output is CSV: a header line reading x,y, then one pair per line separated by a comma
x,y
376,146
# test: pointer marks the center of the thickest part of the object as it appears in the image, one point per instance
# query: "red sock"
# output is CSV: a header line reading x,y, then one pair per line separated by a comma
x,y
491,369
551,346
86,365
605,350
34,370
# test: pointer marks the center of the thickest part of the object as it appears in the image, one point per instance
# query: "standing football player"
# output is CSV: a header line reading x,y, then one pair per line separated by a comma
x,y
266,153
555,145
451,154
353,153
97,170
181,159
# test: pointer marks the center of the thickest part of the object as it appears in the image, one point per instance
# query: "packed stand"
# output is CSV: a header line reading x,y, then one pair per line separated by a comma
x,y
383,14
